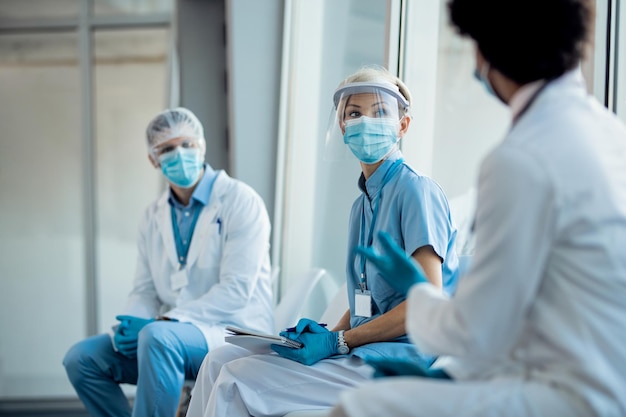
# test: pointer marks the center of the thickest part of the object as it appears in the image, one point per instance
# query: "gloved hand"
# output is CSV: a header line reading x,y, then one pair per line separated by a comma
x,y
127,333
303,326
396,267
403,367
319,343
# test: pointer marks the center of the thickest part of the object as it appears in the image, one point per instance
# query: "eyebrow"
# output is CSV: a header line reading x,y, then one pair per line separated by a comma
x,y
377,104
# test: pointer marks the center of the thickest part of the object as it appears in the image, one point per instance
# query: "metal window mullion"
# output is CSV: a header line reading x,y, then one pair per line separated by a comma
x,y
85,52
38,25
393,27
615,55
134,21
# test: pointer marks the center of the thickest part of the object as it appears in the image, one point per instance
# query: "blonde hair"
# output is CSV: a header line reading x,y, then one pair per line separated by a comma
x,y
376,73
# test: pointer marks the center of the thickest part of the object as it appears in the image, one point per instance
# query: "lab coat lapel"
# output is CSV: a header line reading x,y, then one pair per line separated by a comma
x,y
207,216
164,224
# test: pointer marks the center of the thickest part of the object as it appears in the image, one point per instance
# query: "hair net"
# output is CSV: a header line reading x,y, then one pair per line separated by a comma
x,y
173,123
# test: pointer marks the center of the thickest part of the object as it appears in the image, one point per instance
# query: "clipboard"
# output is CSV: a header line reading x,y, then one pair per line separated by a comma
x,y
258,342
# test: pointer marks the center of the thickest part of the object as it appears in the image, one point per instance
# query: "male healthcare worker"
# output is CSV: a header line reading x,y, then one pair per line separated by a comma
x,y
538,326
203,263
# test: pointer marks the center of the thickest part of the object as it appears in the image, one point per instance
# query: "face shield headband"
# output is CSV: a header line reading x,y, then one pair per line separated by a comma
x,y
370,87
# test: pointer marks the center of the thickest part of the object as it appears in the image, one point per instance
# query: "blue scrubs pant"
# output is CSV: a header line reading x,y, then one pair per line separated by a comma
x,y
167,354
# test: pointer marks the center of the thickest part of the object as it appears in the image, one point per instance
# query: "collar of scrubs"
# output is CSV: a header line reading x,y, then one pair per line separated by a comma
x,y
375,182
202,193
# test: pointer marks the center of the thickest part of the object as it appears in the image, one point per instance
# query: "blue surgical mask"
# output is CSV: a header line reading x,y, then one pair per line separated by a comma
x,y
182,166
371,139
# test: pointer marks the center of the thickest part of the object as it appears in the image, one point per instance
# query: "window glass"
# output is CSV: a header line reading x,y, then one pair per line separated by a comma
x,y
28,9
130,80
42,289
339,38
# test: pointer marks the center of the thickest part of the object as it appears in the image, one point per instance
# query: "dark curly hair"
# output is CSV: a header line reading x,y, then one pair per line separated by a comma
x,y
526,40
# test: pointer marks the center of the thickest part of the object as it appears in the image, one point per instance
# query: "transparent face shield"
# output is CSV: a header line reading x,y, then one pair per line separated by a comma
x,y
164,148
365,122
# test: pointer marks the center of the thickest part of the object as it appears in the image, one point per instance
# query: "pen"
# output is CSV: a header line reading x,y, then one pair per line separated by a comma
x,y
293,329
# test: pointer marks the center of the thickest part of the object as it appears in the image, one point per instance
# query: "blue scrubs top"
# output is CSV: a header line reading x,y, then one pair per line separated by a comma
x,y
413,209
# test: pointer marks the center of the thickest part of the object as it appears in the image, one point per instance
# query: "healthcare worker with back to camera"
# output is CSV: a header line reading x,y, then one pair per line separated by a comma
x,y
203,264
538,326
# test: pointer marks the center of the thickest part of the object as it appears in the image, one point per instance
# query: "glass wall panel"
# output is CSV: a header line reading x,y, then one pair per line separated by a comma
x,y
339,37
130,81
455,121
132,7
42,287
27,9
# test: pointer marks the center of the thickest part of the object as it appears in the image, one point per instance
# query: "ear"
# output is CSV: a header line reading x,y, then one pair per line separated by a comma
x,y
153,161
404,125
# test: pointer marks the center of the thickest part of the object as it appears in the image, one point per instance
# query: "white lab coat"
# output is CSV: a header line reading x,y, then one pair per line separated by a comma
x,y
538,326
228,266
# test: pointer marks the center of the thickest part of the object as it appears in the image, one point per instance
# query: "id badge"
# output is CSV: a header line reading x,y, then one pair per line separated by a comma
x,y
362,303
179,279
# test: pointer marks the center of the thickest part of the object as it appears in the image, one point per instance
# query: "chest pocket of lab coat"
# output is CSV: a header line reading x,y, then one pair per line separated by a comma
x,y
210,254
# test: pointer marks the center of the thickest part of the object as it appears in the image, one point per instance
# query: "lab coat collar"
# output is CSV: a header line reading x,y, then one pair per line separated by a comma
x,y
207,217
520,99
208,214
522,96
372,186
203,190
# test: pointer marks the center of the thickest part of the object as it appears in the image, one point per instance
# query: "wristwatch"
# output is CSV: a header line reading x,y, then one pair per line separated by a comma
x,y
342,346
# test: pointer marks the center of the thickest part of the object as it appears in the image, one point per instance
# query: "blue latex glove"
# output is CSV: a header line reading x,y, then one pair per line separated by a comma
x,y
403,367
127,333
396,267
319,343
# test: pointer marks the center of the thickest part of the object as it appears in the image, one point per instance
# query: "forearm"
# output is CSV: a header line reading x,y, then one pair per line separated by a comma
x,y
343,323
383,328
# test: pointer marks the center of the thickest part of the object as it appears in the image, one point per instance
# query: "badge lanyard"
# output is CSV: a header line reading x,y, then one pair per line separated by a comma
x,y
370,236
181,248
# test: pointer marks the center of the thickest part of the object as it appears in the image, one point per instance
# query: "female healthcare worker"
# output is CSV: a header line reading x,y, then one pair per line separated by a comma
x,y
203,263
371,115
538,326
